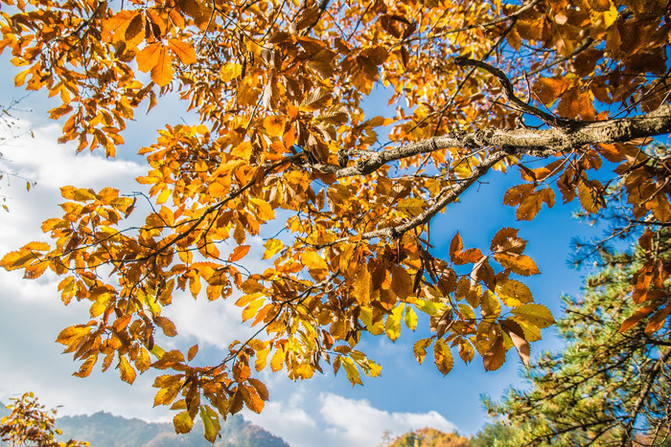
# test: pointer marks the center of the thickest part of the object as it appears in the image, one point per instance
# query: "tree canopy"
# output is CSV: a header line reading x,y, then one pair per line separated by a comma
x,y
30,424
566,92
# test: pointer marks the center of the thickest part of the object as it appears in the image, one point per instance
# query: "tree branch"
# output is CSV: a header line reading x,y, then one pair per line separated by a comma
x,y
523,141
510,93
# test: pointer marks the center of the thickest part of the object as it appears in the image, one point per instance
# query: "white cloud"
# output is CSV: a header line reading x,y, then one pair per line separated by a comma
x,y
358,423
331,420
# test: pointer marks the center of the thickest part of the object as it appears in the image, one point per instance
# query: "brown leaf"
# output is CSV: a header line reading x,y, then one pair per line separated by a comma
x,y
495,356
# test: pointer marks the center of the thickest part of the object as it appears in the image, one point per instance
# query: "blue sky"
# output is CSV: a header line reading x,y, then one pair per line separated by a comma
x,y
325,410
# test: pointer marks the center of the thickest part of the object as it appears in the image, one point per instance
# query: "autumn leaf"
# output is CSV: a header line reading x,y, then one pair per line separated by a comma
x,y
182,422
392,325
127,372
537,314
495,356
211,424
278,146
161,72
513,293
520,264
272,246
410,318
230,71
238,253
148,58
548,90
442,356
184,51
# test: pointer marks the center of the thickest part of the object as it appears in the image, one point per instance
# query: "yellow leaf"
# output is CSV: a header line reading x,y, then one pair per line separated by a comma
x,y
272,246
127,372
230,71
182,422
351,371
419,348
513,293
277,360
537,314
588,199
410,318
261,358
210,420
183,50
165,396
392,325
251,309
163,196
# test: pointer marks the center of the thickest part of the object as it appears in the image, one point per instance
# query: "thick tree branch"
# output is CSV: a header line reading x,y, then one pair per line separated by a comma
x,y
523,141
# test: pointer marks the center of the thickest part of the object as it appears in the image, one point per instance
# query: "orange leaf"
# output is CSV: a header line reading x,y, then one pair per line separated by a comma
x,y
520,264
127,372
193,350
183,50
148,57
166,325
549,89
238,253
362,286
162,72
636,317
273,125
115,27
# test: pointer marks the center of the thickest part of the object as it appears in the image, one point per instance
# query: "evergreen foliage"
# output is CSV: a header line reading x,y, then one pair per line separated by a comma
x,y
610,385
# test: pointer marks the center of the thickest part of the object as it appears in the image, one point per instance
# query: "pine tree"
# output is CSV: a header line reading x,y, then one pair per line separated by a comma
x,y
611,383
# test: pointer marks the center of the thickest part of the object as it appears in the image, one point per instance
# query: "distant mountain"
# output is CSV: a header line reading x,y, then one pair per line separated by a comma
x,y
106,430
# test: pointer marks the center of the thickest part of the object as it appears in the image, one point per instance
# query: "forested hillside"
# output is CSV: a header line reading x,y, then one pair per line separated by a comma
x,y
106,430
